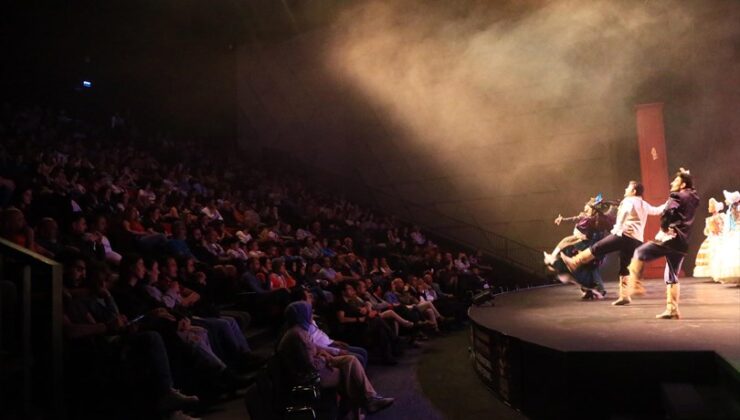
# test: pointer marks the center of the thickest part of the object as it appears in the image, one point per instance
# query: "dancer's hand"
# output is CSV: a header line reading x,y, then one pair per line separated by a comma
x,y
558,219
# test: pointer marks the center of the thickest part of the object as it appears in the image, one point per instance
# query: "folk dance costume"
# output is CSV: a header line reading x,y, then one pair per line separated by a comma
x,y
707,257
592,225
671,241
625,237
726,261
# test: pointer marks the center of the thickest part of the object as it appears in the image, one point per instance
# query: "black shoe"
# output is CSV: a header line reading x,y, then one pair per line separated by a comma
x,y
377,403
248,362
233,381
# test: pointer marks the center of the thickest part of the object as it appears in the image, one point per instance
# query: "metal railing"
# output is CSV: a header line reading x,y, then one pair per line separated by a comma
x,y
493,244
505,249
38,281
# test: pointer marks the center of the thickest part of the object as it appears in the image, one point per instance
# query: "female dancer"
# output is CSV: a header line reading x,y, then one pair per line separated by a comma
x,y
591,225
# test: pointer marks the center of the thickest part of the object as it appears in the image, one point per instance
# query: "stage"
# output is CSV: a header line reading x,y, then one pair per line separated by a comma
x,y
529,336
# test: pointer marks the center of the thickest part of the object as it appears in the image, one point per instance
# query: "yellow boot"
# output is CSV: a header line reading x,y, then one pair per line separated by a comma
x,y
624,298
627,285
639,288
579,259
671,303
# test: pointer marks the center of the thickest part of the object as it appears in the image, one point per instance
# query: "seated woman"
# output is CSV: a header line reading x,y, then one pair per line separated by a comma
x,y
362,326
384,309
279,277
301,359
147,240
399,295
446,303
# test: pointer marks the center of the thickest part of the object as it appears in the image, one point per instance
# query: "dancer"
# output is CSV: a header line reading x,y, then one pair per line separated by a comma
x,y
625,237
592,224
671,242
707,257
727,265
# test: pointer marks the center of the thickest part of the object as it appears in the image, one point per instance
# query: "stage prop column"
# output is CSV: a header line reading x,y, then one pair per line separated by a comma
x,y
654,170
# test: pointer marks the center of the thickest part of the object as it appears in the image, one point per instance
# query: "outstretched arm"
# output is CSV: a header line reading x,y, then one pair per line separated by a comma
x,y
653,210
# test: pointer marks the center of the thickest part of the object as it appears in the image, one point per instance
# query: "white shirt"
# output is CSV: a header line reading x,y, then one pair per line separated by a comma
x,y
418,238
320,339
632,215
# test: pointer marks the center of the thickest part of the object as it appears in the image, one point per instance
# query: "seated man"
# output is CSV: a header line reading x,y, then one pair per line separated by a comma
x,y
331,346
301,359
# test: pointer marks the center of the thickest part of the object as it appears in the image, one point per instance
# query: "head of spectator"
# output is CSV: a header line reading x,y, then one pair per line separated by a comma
x,y
397,285
25,197
299,313
75,270
211,235
179,231
153,214
169,268
255,266
196,235
133,270
99,224
47,230
349,292
326,263
131,214
13,223
152,272
100,279
78,224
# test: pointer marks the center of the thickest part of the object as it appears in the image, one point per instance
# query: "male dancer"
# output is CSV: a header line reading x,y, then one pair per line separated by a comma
x,y
672,241
625,237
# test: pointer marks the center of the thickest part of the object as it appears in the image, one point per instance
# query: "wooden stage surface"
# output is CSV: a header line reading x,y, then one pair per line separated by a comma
x,y
554,316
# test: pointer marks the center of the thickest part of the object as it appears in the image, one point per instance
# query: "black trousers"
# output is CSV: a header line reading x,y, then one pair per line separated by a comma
x,y
611,243
673,258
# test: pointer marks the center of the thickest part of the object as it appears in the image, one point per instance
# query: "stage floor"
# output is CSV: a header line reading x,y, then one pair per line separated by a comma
x,y
556,317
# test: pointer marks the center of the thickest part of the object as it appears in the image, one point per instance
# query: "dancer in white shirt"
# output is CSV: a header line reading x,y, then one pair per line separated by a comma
x,y
625,237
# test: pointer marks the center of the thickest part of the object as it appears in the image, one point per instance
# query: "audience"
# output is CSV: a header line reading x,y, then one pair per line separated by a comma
x,y
218,246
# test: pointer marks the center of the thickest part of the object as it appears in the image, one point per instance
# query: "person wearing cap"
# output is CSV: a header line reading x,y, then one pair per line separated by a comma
x,y
672,240
626,235
592,225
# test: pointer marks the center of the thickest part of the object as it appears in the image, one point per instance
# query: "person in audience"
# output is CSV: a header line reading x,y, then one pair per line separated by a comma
x,y
14,228
363,326
324,342
98,235
47,237
301,358
177,244
139,235
279,277
400,295
53,183
384,309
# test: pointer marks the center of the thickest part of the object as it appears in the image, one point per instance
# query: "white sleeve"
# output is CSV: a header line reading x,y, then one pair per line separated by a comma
x,y
654,211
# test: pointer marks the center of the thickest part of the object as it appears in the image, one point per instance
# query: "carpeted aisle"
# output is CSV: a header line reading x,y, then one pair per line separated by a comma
x,y
448,380
431,383
438,382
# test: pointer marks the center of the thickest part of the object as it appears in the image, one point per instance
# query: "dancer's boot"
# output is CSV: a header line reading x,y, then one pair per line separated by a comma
x,y
671,303
579,259
624,298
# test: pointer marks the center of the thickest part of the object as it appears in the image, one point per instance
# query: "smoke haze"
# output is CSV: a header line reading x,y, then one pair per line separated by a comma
x,y
501,114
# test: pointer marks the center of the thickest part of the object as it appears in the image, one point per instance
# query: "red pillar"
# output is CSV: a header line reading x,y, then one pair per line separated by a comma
x,y
654,170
